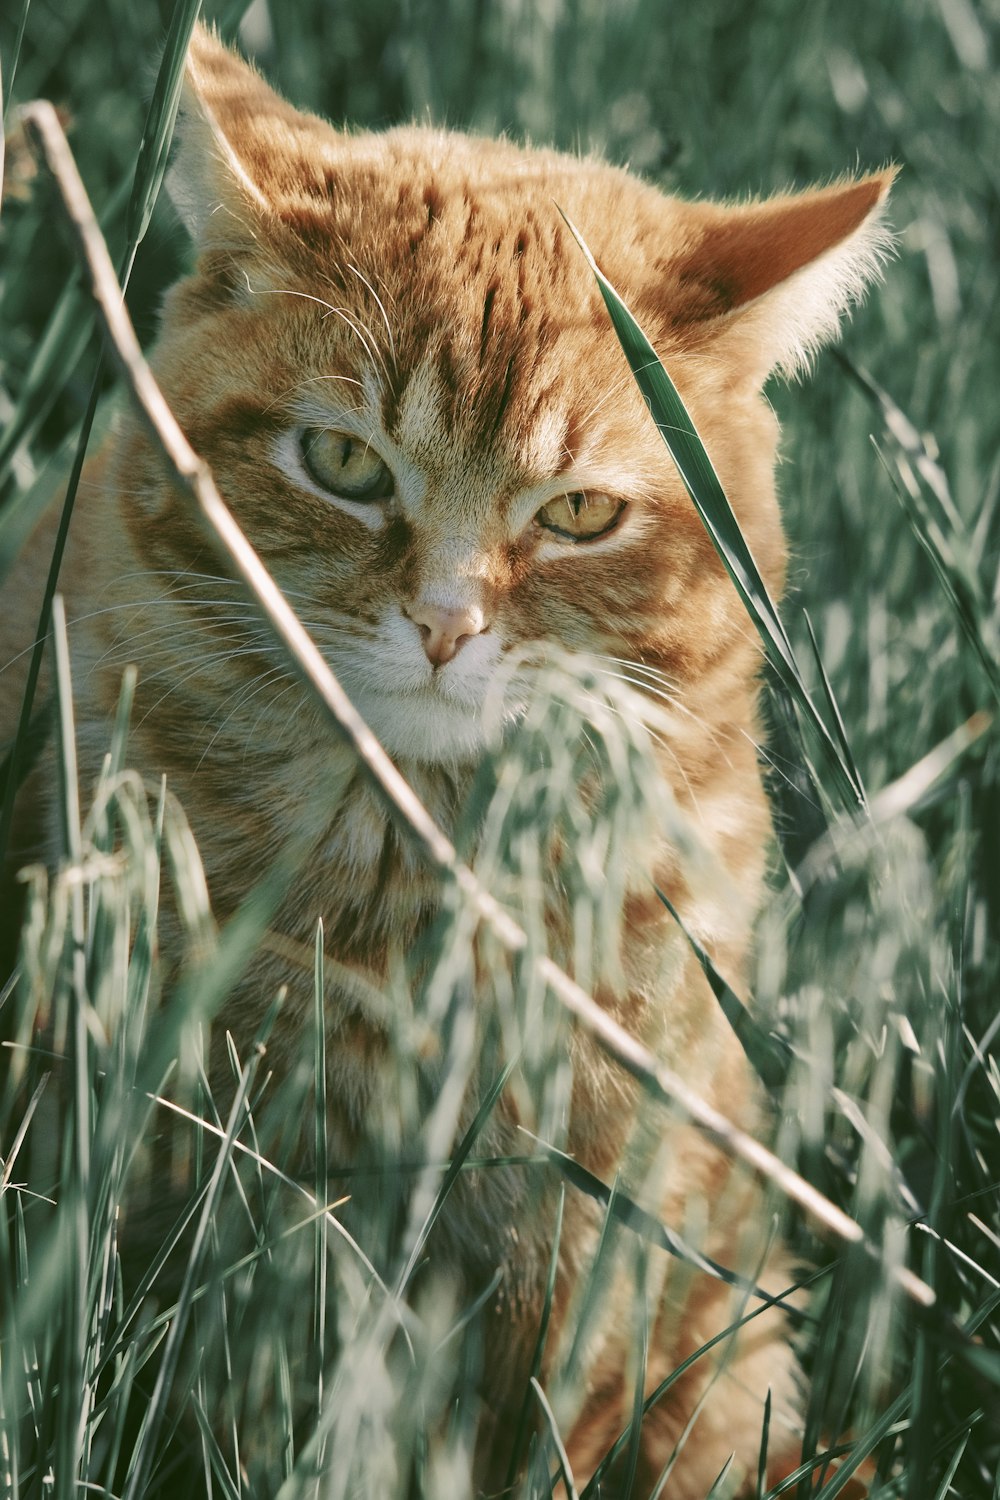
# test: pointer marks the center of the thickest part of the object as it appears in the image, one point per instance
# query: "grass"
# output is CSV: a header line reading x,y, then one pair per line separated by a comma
x,y
877,967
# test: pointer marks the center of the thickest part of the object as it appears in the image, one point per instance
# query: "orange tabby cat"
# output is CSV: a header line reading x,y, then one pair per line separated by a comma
x,y
397,362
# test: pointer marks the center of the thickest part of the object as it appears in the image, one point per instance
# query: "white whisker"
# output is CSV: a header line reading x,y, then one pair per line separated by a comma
x,y
368,343
293,390
623,382
251,732
213,659
381,307
127,639
247,693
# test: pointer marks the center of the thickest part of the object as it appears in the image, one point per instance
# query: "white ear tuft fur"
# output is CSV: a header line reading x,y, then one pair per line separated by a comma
x,y
206,174
784,328
221,92
771,279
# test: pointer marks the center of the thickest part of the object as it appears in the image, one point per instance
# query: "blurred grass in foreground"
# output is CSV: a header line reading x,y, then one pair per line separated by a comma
x,y
878,951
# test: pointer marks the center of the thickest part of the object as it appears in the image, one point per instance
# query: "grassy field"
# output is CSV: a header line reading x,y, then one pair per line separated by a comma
x,y
877,954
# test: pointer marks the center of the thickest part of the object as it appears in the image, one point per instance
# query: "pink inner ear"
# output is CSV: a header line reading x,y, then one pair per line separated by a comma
x,y
752,249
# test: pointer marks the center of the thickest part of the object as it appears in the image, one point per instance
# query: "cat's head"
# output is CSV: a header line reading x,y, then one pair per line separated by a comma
x,y
396,360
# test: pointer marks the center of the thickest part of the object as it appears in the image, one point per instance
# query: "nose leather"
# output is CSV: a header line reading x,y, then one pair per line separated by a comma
x,y
443,632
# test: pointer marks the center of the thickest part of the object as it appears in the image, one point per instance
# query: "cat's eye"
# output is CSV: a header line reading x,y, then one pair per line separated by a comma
x,y
579,517
345,465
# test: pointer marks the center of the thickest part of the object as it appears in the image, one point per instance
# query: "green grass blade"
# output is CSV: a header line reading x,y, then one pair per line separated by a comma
x,y
142,1458
59,352
74,1205
321,1183
11,71
154,148
66,338
23,510
908,441
865,1445
833,707
703,485
520,1432
922,488
941,1493
634,1449
26,724
719,1486
216,1462
621,1209
963,595
766,1052
762,1456
462,1151
562,1458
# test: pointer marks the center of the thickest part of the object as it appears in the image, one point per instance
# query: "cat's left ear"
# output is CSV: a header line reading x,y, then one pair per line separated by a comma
x,y
240,146
777,276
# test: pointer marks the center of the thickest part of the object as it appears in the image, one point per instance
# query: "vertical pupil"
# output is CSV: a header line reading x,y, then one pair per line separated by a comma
x,y
345,452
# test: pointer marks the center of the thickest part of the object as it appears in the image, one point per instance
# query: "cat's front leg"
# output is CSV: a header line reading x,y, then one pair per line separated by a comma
x,y
713,1414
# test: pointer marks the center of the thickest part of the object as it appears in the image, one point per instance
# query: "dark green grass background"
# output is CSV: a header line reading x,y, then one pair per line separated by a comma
x,y
727,99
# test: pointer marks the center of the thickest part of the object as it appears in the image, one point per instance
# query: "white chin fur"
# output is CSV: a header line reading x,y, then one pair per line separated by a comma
x,y
425,727
447,717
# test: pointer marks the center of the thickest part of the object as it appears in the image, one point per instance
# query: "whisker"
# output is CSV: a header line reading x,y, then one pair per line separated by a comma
x,y
276,673
675,704
379,304
293,390
251,732
138,645
623,383
618,711
198,580
213,659
370,348
645,687
179,573
109,609
177,633
640,666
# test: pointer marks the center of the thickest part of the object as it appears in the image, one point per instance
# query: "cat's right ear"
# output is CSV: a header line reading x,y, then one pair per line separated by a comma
x,y
232,130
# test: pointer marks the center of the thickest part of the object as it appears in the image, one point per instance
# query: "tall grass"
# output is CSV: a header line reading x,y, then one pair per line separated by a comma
x,y
874,1003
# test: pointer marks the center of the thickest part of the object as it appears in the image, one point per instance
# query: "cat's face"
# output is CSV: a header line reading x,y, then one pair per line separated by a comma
x,y
432,437
397,363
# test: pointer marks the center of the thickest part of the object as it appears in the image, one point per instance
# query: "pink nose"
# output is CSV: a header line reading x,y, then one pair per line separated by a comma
x,y
443,632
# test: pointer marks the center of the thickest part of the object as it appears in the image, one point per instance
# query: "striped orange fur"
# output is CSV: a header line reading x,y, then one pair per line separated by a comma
x,y
417,295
